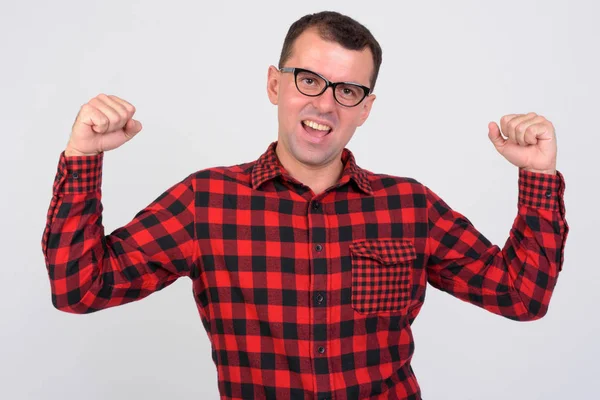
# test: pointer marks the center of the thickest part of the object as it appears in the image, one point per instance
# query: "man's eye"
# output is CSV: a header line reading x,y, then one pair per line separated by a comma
x,y
349,92
309,81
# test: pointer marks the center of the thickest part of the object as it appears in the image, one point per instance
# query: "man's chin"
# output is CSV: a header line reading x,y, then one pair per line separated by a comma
x,y
310,155
305,152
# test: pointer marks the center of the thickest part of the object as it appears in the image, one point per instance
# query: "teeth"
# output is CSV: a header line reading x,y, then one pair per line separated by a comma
x,y
316,126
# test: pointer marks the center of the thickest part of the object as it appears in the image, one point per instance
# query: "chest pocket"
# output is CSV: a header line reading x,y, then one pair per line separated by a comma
x,y
382,271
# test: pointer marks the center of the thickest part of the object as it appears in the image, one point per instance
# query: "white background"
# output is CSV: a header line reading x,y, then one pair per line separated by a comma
x,y
197,74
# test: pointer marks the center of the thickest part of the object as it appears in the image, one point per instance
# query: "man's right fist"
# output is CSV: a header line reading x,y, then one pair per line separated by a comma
x,y
104,123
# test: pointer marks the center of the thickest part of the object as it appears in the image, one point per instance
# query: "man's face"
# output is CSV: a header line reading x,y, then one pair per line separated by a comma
x,y
297,142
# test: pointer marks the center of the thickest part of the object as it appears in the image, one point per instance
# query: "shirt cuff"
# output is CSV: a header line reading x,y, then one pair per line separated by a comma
x,y
78,174
540,190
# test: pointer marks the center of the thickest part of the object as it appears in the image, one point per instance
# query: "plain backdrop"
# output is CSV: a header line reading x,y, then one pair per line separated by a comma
x,y
196,72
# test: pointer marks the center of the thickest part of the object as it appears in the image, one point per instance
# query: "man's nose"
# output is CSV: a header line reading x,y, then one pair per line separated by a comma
x,y
326,101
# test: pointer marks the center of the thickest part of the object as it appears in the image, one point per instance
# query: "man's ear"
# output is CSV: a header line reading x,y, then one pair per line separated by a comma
x,y
273,80
365,109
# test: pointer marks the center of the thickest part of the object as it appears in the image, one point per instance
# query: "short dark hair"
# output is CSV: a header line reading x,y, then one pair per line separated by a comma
x,y
335,27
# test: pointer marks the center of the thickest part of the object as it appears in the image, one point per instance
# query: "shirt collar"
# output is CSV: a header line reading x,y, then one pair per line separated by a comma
x,y
268,167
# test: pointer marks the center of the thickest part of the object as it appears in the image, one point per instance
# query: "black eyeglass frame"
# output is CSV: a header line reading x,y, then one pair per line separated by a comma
x,y
328,83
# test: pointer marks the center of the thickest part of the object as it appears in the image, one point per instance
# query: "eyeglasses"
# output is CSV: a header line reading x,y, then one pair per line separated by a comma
x,y
312,84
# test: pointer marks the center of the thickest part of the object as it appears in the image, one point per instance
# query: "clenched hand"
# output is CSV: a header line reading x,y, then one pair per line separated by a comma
x,y
104,123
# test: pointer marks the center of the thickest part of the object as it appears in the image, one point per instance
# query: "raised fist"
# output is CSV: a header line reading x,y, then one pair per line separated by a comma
x,y
104,123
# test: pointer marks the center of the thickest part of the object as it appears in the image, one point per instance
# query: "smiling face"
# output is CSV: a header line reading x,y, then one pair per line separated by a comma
x,y
313,131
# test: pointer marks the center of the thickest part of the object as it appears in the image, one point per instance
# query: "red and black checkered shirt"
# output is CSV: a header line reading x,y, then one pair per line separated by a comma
x,y
302,296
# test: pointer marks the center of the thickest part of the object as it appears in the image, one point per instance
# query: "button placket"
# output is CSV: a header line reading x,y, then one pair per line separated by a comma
x,y
318,237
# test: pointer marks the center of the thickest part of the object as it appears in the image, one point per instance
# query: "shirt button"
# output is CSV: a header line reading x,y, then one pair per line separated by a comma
x,y
321,349
318,247
316,206
75,175
320,298
548,194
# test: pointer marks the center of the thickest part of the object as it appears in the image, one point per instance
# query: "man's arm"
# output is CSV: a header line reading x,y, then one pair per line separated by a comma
x,y
516,281
89,270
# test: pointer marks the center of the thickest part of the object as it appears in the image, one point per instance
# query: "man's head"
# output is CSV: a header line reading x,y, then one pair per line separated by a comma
x,y
338,28
340,50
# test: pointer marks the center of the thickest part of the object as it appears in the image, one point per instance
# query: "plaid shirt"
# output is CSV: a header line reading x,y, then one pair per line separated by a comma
x,y
302,296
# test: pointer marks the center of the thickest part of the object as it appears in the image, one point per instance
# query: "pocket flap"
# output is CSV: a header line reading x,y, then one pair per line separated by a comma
x,y
386,251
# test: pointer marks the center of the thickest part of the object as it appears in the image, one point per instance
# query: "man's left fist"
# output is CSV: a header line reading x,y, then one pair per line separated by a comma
x,y
530,143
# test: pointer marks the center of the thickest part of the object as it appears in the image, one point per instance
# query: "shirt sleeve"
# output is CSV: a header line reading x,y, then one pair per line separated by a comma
x,y
516,281
89,270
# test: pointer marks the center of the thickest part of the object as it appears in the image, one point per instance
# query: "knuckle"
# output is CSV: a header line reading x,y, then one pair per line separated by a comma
x,y
87,110
119,110
116,99
114,117
95,102
124,110
102,119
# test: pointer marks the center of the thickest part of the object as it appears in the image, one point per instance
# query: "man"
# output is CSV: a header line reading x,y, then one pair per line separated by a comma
x,y
307,270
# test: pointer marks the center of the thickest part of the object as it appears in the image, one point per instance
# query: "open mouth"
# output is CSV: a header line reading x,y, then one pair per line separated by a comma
x,y
315,129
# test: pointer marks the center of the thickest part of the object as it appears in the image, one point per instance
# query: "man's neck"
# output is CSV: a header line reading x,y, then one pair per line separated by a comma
x,y
317,178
